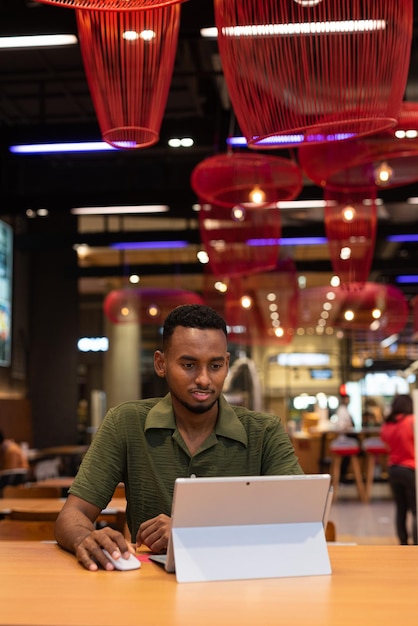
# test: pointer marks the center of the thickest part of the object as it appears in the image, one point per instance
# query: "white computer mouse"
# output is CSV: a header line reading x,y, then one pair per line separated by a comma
x,y
122,564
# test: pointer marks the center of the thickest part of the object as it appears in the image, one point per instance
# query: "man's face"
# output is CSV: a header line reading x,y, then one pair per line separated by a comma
x,y
195,365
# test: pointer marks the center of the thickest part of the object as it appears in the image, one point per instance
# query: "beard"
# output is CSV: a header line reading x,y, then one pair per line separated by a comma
x,y
198,409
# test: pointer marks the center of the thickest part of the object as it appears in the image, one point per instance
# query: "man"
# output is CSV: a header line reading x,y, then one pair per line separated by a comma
x,y
147,444
342,416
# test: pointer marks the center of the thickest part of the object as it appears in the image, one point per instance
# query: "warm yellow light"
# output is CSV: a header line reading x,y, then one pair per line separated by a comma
x,y
238,213
257,195
348,213
383,174
246,302
124,311
308,3
349,315
376,313
221,286
345,253
153,310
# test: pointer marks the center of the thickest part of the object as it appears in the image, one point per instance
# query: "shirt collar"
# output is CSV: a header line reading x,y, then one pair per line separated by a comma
x,y
228,425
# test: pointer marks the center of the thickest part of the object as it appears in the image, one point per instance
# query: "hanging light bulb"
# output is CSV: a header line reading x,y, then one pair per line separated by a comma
x,y
153,310
348,213
308,3
257,195
345,253
246,302
238,213
383,174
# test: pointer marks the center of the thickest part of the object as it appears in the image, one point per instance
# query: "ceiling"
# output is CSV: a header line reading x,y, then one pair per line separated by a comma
x,y
44,97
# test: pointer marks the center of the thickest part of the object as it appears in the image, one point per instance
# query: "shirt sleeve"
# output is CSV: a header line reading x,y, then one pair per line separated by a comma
x,y
103,465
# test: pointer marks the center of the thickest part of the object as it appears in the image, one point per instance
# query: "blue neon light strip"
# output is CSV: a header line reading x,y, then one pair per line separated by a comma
x,y
407,279
402,238
288,241
48,148
148,245
277,140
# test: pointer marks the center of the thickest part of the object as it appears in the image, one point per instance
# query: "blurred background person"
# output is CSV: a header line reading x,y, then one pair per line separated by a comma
x,y
398,432
14,464
344,423
342,416
373,413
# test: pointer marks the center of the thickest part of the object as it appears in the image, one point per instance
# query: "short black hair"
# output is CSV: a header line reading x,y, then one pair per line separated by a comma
x,y
193,316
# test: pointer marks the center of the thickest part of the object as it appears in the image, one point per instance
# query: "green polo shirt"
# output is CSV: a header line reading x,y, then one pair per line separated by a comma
x,y
138,443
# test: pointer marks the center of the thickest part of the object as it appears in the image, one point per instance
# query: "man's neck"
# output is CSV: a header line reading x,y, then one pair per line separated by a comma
x,y
195,428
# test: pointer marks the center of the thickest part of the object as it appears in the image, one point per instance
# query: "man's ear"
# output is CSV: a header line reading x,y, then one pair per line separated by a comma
x,y
159,363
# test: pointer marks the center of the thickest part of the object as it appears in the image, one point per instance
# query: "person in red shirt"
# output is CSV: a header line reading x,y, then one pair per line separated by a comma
x,y
398,432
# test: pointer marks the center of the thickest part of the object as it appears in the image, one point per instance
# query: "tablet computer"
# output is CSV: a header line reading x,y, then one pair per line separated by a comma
x,y
227,528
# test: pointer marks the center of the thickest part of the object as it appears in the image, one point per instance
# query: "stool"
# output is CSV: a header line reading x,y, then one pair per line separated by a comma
x,y
346,446
373,447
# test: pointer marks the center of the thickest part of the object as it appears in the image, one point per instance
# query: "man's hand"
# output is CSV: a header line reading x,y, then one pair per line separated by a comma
x,y
154,533
90,549
75,532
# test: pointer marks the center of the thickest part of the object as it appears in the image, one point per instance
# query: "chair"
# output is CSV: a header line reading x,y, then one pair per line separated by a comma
x,y
330,531
346,446
373,447
11,529
30,490
119,491
27,515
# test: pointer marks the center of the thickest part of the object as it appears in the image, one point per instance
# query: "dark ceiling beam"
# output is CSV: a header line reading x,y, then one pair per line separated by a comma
x,y
54,238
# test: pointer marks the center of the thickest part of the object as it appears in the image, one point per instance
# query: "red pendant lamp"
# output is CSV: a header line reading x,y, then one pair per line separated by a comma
x,y
314,71
245,178
261,309
374,312
383,160
145,306
350,225
128,59
414,304
110,5
240,240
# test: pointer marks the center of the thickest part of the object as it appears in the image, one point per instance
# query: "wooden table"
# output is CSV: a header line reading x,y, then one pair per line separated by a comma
x,y
37,454
64,482
373,585
114,513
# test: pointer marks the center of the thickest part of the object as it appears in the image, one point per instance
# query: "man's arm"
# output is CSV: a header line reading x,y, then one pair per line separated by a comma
x,y
75,532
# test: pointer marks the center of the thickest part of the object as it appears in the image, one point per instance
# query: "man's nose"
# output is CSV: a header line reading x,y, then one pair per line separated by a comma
x,y
202,376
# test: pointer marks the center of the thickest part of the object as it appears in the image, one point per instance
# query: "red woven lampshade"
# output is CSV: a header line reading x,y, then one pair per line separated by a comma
x,y
231,179
271,316
145,306
378,310
110,5
240,240
128,59
317,71
414,304
350,226
388,159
